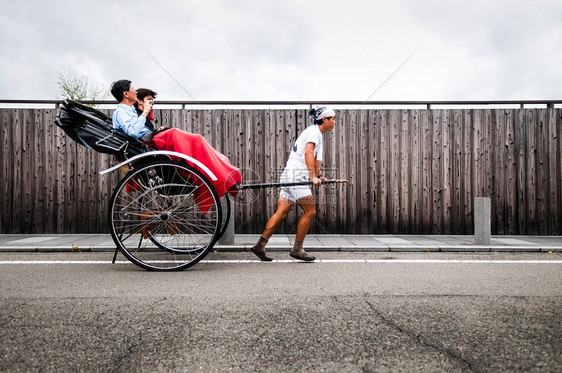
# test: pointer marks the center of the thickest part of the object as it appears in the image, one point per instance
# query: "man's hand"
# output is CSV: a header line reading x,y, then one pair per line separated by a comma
x,y
147,108
316,181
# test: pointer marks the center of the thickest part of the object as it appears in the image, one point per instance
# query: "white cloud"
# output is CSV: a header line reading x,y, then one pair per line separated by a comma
x,y
290,50
501,49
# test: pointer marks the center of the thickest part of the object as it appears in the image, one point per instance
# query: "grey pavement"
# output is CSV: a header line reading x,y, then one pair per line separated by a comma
x,y
283,242
350,312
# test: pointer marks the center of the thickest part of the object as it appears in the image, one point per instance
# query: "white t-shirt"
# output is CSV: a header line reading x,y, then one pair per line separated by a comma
x,y
296,161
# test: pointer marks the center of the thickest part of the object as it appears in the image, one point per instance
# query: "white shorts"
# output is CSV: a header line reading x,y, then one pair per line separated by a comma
x,y
294,193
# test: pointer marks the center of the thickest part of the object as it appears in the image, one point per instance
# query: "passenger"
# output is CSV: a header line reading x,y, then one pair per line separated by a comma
x,y
137,123
125,117
146,96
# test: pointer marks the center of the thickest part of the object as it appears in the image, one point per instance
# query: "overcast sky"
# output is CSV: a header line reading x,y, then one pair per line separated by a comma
x,y
287,50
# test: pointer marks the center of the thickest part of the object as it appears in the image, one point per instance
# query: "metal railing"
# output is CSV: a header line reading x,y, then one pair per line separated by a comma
x,y
426,104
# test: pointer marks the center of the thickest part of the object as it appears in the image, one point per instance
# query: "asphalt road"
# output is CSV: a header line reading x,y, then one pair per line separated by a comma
x,y
410,312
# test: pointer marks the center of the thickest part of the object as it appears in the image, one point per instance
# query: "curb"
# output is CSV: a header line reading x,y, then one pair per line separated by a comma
x,y
312,248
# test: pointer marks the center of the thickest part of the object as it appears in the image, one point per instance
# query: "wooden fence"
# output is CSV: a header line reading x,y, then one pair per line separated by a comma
x,y
413,171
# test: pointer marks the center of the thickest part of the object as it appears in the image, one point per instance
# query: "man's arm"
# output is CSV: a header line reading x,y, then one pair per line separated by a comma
x,y
312,164
130,123
318,172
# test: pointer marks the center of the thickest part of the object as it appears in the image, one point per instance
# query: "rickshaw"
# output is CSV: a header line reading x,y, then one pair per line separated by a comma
x,y
165,214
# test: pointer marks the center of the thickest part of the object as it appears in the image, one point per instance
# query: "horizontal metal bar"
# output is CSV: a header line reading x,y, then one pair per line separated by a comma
x,y
549,103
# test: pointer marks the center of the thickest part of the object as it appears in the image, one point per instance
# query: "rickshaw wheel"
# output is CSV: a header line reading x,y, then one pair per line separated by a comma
x,y
165,216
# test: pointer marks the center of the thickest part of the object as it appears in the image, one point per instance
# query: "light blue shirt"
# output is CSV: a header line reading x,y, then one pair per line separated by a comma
x,y
126,120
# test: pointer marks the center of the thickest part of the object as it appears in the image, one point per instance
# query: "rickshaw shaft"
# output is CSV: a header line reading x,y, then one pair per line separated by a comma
x,y
276,185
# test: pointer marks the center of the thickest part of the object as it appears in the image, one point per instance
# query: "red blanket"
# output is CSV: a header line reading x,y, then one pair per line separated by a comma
x,y
197,147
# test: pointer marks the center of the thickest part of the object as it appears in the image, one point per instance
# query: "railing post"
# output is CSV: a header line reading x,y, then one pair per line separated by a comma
x,y
482,228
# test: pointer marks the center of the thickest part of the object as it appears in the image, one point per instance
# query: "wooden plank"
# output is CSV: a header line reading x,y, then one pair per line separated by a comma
x,y
331,169
68,185
458,174
467,174
342,195
37,168
427,170
6,172
478,141
50,165
183,120
268,134
511,173
207,127
289,134
521,169
351,208
437,173
364,171
17,186
531,185
339,161
394,148
257,169
372,152
404,149
384,172
249,165
238,155
88,189
558,134
175,119
60,181
447,177
498,180
107,185
165,117
356,211
554,176
543,158
489,161
415,173
26,185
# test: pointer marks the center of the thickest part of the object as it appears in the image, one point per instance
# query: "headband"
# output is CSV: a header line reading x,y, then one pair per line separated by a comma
x,y
321,112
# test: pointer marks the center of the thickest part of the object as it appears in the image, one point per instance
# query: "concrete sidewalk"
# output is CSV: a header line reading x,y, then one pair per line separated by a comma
x,y
281,242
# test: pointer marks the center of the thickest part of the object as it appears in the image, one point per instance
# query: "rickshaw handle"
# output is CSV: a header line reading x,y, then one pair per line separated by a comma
x,y
293,183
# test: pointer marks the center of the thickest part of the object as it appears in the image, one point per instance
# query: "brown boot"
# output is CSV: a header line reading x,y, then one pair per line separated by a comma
x,y
259,250
298,253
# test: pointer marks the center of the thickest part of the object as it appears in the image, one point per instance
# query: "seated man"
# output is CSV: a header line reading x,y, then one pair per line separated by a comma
x,y
126,120
125,117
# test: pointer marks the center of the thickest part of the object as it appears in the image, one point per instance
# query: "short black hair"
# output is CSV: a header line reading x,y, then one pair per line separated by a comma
x,y
118,87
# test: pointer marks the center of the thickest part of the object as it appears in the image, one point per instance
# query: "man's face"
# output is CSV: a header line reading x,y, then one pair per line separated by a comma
x,y
329,123
130,95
